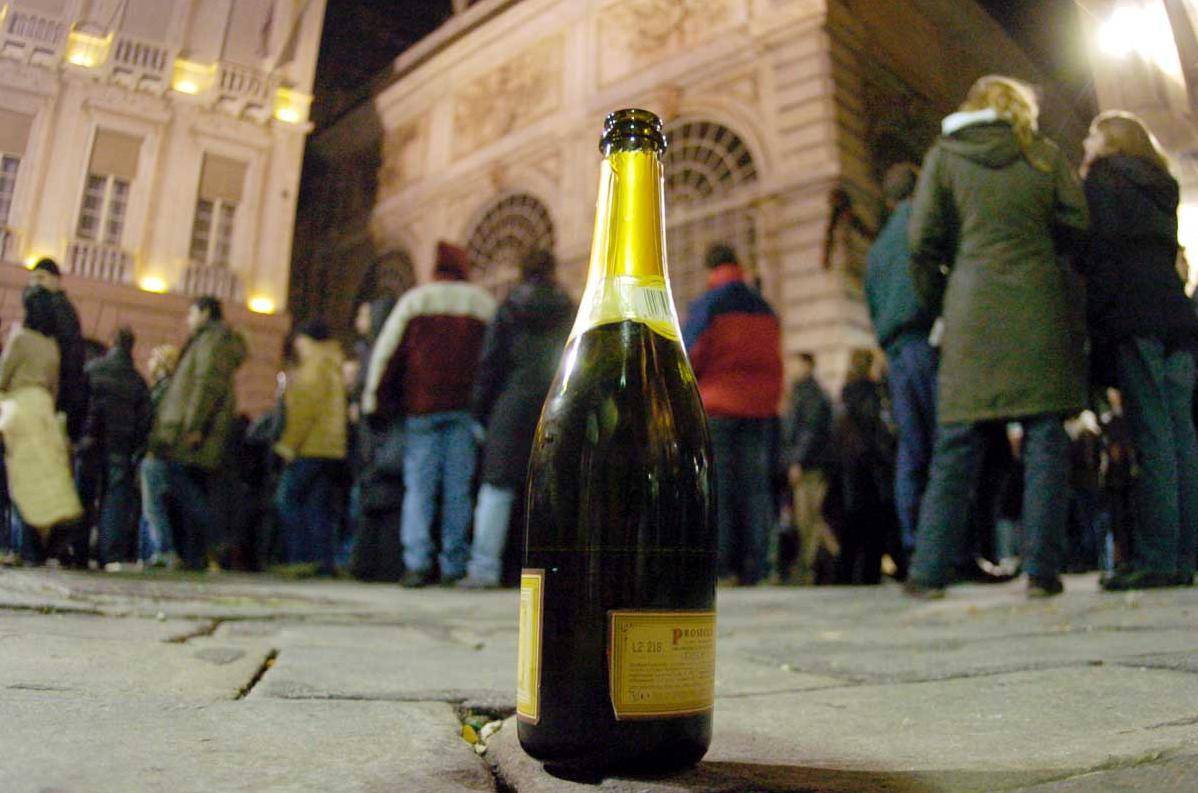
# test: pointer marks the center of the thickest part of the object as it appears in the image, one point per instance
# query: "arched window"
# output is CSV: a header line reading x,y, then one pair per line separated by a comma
x,y
508,230
708,170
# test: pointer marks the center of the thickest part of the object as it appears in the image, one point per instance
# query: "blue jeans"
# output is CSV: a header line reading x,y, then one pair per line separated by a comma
x,y
305,505
491,519
118,509
944,518
1158,390
744,505
913,407
189,491
157,533
440,453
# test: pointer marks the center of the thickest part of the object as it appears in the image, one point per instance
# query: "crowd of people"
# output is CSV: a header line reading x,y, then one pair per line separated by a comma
x,y
1040,362
1032,409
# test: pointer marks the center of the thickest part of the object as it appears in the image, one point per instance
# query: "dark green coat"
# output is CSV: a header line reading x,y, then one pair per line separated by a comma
x,y
1013,341
200,398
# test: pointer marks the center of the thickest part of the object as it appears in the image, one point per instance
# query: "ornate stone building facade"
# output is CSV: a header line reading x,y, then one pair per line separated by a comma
x,y
488,131
154,146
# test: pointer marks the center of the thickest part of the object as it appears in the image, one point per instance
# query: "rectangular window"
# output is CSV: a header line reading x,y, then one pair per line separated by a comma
x,y
221,183
8,185
212,232
102,213
110,172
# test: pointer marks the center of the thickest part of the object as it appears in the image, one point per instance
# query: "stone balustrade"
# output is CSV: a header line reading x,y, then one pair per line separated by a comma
x,y
142,64
99,262
202,279
30,37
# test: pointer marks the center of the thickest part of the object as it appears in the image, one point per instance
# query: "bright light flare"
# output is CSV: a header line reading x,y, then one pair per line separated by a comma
x,y
262,305
1140,29
153,283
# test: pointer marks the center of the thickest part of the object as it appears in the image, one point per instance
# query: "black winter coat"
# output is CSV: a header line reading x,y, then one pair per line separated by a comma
x,y
72,382
1133,288
808,425
120,412
519,360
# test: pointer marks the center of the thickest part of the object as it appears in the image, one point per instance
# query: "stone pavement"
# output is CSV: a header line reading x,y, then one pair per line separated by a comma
x,y
126,684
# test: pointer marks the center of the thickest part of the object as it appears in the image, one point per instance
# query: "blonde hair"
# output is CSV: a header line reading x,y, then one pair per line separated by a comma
x,y
163,361
1014,102
1124,133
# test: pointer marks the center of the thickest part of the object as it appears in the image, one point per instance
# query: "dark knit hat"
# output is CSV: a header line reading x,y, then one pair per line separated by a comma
x,y
314,329
719,254
48,265
452,260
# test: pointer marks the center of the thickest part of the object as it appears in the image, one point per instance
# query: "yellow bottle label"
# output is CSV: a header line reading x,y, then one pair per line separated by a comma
x,y
528,663
662,663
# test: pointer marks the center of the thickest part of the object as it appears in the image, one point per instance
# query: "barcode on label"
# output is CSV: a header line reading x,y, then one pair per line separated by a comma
x,y
650,304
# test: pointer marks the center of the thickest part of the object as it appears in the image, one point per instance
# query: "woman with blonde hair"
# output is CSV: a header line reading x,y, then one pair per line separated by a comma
x,y
996,208
1145,342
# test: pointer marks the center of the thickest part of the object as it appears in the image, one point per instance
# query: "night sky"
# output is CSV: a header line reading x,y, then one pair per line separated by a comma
x,y
362,36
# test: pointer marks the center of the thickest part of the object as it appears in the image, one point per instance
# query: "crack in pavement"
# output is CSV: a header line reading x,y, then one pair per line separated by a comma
x,y
198,633
267,663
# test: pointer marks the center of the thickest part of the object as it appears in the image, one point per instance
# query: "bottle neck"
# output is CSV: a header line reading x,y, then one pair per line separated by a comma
x,y
627,279
629,218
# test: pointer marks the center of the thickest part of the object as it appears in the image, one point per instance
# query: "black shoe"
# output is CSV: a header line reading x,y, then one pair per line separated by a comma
x,y
416,579
1044,587
1139,579
914,589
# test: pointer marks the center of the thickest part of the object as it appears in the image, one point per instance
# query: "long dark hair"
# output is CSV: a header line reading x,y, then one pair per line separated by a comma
x,y
39,311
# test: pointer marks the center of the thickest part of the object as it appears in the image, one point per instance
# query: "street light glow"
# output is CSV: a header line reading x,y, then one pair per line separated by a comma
x,y
262,305
1140,29
153,283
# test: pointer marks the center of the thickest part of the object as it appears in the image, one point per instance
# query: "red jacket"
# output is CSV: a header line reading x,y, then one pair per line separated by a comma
x,y
735,346
427,352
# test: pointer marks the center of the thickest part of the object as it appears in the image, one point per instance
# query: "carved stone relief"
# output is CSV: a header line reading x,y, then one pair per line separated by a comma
x,y
509,97
401,158
637,33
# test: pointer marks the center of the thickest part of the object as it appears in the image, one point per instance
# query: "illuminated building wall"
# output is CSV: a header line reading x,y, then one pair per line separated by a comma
x,y
155,145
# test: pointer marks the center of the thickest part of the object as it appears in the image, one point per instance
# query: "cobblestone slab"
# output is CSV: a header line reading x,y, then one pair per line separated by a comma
x,y
84,746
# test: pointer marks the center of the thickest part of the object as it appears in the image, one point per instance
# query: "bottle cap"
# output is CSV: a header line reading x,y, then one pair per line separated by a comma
x,y
632,129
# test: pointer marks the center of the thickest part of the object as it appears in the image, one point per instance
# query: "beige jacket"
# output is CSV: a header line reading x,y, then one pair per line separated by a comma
x,y
314,406
29,359
36,454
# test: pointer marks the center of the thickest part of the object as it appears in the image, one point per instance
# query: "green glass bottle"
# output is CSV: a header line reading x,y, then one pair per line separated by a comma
x,y
617,600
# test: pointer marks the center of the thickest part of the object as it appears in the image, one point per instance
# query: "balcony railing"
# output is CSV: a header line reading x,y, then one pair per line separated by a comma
x,y
100,262
242,82
140,64
32,37
221,282
242,90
